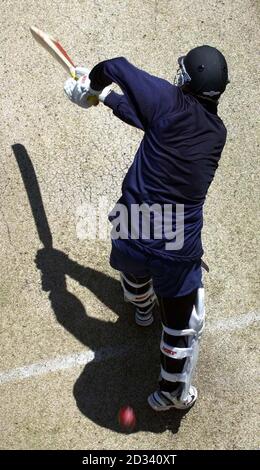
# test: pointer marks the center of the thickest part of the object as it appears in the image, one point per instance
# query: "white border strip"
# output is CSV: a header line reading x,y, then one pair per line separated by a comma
x,y
234,323
83,358
60,363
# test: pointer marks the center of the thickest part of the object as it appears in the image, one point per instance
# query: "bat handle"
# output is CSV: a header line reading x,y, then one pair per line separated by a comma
x,y
73,73
93,99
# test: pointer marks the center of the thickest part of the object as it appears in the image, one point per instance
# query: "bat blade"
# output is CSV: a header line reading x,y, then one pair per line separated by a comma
x,y
53,46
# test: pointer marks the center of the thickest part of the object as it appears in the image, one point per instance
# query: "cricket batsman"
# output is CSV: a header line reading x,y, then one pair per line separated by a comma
x,y
168,179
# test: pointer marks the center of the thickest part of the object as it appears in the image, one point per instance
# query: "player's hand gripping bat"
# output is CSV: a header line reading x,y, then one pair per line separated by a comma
x,y
53,46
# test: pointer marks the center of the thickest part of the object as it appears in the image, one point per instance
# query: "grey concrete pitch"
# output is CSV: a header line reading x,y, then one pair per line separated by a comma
x,y
74,155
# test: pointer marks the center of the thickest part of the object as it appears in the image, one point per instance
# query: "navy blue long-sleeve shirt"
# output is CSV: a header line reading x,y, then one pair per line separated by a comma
x,y
178,155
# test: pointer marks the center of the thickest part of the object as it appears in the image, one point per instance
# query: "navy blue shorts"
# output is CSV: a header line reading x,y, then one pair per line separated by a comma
x,y
170,278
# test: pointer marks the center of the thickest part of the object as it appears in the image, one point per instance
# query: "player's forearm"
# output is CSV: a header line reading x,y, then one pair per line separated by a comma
x,y
123,109
113,71
149,96
98,78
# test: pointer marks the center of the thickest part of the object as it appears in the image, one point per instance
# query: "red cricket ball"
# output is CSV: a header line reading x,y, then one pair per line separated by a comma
x,y
126,418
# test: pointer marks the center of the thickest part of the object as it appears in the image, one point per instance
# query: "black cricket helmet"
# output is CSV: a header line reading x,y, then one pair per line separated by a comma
x,y
205,71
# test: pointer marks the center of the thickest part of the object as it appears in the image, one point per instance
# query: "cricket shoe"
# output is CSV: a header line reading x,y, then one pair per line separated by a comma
x,y
144,318
162,401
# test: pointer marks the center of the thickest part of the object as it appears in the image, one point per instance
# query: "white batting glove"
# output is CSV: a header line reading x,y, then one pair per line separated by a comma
x,y
80,71
102,96
79,92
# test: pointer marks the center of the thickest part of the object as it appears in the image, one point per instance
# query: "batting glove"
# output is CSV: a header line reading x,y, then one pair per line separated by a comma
x,y
80,71
79,91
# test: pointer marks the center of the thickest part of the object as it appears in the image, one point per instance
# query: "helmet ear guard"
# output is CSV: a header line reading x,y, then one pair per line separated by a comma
x,y
181,77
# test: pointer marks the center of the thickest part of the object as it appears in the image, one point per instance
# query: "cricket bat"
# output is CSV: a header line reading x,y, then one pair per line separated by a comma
x,y
53,46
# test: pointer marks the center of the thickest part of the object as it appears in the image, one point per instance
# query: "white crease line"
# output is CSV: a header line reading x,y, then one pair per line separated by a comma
x,y
235,323
60,363
83,358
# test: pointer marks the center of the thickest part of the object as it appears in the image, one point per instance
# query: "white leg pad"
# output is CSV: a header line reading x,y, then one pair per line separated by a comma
x,y
193,334
140,300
